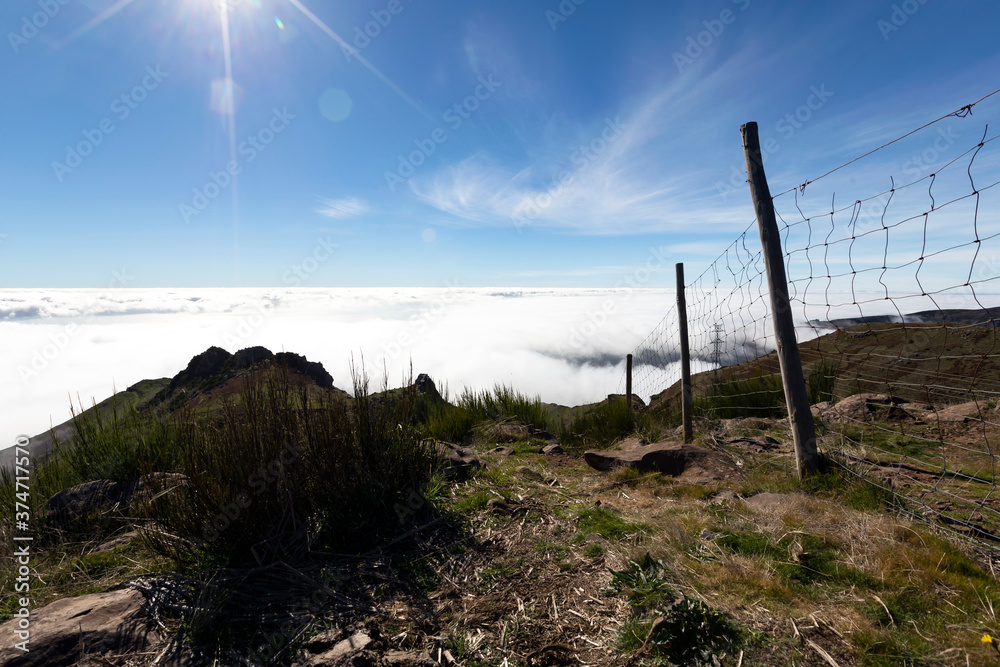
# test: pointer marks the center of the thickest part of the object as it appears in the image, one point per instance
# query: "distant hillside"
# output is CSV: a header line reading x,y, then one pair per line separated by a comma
x,y
209,376
982,316
925,362
138,395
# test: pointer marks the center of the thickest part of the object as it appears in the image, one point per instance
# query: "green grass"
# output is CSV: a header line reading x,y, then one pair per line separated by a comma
x,y
442,420
760,396
607,422
473,502
605,523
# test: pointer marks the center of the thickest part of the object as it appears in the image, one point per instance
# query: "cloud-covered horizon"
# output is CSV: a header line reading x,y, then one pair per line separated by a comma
x,y
566,345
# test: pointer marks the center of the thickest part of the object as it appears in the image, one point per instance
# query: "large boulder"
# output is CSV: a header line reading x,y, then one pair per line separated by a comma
x,y
101,494
694,464
63,631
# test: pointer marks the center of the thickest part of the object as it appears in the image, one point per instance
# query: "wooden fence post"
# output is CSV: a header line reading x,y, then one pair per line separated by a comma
x,y
628,381
792,379
686,402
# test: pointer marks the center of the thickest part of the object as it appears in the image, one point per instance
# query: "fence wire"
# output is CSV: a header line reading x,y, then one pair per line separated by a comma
x,y
896,294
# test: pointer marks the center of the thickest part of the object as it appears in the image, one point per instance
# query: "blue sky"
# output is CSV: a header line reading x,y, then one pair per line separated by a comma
x,y
477,143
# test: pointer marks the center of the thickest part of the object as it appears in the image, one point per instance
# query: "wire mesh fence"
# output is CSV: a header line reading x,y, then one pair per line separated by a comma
x,y
893,270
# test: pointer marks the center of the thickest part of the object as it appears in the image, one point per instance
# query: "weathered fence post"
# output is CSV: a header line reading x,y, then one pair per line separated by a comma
x,y
628,381
793,381
685,355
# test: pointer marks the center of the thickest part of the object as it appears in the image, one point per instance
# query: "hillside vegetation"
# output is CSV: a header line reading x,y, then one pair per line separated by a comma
x,y
280,518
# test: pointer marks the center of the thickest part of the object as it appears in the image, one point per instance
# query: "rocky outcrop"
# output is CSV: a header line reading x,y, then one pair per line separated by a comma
x,y
65,630
694,464
215,366
864,408
311,369
102,494
458,461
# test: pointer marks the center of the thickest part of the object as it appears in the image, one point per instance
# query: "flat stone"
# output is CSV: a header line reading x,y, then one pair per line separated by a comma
x,y
324,641
505,451
64,631
343,649
961,413
553,449
694,464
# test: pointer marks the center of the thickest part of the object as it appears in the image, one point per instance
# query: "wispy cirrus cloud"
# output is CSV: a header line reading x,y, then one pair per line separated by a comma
x,y
340,209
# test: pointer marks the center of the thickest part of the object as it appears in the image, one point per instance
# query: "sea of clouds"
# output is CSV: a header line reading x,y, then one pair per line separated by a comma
x,y
566,345
72,347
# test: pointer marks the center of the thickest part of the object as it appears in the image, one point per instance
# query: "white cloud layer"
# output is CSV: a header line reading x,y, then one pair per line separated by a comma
x,y
563,344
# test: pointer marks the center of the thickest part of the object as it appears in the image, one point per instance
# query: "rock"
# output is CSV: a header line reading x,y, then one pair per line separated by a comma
x,y
425,386
111,544
499,506
527,474
407,659
311,369
694,464
553,449
819,409
100,494
960,414
324,641
542,435
459,461
758,444
83,499
861,408
509,432
505,451
634,442
65,630
343,649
